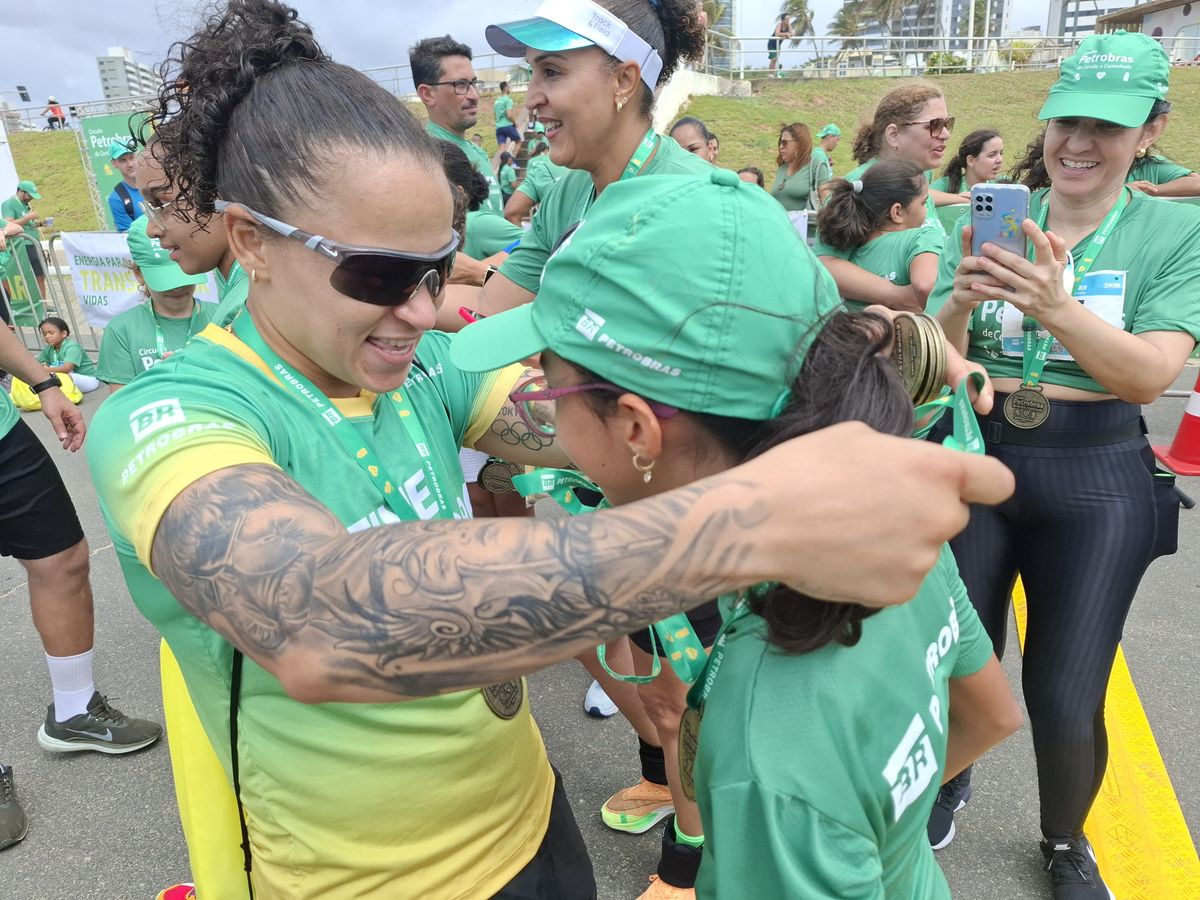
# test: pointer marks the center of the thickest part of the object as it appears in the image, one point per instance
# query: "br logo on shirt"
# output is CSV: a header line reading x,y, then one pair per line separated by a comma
x,y
156,416
589,324
911,767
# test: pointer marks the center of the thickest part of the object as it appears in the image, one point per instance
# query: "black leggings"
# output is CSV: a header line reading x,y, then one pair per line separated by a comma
x,y
1079,530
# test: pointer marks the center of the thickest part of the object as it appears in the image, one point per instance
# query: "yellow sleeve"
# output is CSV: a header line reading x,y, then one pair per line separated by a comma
x,y
491,398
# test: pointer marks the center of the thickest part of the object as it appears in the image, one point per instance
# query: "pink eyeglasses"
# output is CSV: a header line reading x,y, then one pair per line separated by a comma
x,y
534,400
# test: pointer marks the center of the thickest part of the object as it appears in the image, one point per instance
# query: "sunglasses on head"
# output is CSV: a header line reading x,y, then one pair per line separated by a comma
x,y
371,274
935,126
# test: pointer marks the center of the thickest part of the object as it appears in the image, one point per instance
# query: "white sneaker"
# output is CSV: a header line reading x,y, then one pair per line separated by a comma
x,y
597,703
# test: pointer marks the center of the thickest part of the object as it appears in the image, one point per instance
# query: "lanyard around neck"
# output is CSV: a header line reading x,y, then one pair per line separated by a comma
x,y
641,155
1036,350
738,606
322,409
160,341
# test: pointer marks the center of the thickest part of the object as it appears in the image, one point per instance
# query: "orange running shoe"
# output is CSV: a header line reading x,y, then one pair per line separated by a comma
x,y
639,808
178,892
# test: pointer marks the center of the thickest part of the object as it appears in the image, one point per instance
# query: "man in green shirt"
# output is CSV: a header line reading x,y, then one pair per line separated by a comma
x,y
144,336
16,209
506,128
446,83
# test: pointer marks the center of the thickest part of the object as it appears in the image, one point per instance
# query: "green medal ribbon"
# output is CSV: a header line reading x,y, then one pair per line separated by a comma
x,y
310,397
643,153
160,341
1035,350
734,608
674,634
966,434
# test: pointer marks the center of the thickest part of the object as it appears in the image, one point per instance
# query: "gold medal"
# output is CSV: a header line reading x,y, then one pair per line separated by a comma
x,y
1027,408
496,476
504,699
919,354
689,745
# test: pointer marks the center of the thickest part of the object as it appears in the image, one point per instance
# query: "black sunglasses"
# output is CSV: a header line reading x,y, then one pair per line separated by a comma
x,y
935,126
370,274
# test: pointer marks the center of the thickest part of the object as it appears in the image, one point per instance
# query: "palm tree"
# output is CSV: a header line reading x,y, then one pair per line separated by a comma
x,y
717,41
849,23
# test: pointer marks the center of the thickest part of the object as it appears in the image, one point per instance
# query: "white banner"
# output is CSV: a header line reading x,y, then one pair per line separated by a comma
x,y
104,283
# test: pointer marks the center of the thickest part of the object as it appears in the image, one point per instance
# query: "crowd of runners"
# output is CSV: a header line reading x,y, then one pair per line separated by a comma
x,y
319,490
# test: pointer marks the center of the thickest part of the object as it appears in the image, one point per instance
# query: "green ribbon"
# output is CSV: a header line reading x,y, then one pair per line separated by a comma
x,y
674,634
966,434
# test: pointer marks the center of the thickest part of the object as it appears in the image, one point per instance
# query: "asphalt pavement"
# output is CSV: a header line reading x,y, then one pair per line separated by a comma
x,y
103,826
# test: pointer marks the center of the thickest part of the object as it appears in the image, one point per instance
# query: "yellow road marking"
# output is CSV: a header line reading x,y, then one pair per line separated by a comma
x,y
1136,826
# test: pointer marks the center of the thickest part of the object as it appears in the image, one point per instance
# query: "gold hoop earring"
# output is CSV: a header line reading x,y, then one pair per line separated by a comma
x,y
644,469
254,275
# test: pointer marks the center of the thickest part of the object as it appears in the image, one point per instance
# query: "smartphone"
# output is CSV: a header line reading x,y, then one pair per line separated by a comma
x,y
997,211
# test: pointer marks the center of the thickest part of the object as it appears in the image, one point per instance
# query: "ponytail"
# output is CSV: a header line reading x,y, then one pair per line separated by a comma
x,y
857,209
250,106
972,145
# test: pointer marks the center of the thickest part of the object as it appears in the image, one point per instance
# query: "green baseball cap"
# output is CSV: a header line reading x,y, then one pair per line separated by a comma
x,y
30,188
691,290
160,272
539,127
119,148
1115,77
829,130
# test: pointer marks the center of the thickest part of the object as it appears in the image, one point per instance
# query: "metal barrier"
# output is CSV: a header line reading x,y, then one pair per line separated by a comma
x,y
67,307
57,300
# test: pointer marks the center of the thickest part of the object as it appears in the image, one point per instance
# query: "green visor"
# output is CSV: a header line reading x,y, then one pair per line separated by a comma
x,y
514,38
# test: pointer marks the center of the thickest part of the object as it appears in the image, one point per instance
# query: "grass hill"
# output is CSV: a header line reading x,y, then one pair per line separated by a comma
x,y
748,127
1007,101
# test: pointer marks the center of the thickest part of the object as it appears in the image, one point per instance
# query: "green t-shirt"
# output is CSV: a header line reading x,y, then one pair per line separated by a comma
x,y
931,214
567,203
943,184
540,175
889,256
13,209
1144,279
9,414
502,105
822,161
817,772
68,352
488,233
508,178
231,294
343,799
1156,170
479,159
130,344
793,191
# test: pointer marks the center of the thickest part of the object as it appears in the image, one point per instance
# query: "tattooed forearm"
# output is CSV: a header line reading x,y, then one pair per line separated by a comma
x,y
423,607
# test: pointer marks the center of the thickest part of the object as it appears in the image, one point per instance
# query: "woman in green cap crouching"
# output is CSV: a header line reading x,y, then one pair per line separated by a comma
x,y
642,324
1075,343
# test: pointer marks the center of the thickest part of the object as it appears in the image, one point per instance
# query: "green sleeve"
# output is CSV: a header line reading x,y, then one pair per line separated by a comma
x,y
1158,170
974,645
941,184
524,265
462,393
44,355
10,209
820,248
117,363
925,240
1171,302
760,842
947,264
488,233
74,353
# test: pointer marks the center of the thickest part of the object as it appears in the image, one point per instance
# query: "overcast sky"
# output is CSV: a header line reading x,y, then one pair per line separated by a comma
x,y
51,47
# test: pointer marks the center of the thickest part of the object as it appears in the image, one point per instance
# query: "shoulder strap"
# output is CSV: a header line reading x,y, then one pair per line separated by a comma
x,y
127,199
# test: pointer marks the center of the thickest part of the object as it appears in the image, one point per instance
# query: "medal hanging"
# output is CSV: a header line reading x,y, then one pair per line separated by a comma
x,y
1028,407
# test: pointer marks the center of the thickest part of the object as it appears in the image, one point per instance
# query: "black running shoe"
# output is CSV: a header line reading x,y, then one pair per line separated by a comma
x,y
1073,870
951,798
102,728
12,817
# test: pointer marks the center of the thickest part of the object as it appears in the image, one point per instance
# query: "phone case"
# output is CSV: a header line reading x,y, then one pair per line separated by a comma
x,y
997,211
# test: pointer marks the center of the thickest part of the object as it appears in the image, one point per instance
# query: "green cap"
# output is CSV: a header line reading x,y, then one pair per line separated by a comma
x,y
539,127
829,130
160,272
694,291
1115,77
30,188
119,148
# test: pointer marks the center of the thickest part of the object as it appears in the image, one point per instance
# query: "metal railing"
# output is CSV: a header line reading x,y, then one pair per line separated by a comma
x,y
32,304
830,56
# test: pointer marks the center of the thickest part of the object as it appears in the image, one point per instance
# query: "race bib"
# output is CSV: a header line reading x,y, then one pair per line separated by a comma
x,y
1102,293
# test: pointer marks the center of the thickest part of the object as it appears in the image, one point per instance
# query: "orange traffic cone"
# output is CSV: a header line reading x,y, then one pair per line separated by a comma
x,y
1183,456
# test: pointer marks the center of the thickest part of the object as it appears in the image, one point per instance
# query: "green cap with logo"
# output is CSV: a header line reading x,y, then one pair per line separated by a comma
x,y
1115,77
160,272
829,130
119,147
30,188
539,127
691,290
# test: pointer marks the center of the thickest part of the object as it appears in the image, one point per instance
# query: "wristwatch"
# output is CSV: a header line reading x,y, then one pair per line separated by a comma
x,y
50,382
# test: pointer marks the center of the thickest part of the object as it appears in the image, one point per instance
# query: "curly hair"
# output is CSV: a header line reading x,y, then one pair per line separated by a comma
x,y
672,27
251,108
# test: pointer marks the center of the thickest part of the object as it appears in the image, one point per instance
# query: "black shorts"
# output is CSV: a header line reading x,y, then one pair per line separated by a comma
x,y
561,869
706,622
34,252
37,517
